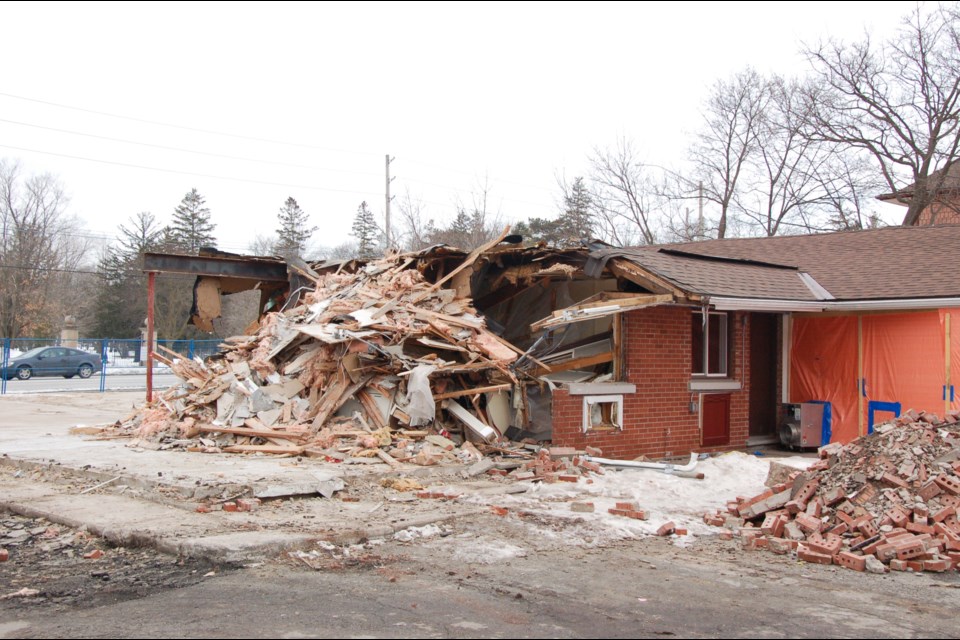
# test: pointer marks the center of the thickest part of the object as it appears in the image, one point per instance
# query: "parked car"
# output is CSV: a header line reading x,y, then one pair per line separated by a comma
x,y
52,361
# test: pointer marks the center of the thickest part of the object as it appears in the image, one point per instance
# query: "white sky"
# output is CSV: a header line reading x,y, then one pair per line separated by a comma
x,y
514,93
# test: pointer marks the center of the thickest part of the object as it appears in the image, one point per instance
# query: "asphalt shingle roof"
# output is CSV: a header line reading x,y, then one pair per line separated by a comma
x,y
887,263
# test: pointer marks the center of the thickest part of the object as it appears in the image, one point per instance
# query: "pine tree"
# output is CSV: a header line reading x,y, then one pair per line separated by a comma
x,y
121,305
292,232
191,227
365,230
576,222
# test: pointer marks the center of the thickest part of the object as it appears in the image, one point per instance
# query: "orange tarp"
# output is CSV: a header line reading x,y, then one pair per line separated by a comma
x,y
904,360
823,366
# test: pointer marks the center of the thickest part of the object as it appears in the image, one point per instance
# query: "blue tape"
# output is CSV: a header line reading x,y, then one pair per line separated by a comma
x,y
876,405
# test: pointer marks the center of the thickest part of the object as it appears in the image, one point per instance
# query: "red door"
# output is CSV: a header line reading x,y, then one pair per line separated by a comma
x,y
716,419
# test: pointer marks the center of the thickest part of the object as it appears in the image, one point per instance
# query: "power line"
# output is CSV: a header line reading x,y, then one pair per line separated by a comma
x,y
188,173
129,273
181,149
251,138
183,127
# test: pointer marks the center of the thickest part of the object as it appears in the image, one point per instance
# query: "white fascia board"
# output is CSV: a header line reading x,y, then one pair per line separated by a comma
x,y
906,304
758,304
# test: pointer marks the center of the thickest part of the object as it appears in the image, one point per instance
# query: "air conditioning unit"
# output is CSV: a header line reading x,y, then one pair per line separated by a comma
x,y
806,425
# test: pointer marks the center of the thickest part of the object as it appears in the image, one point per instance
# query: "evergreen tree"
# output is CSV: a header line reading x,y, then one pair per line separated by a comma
x,y
191,227
365,230
292,232
121,303
576,221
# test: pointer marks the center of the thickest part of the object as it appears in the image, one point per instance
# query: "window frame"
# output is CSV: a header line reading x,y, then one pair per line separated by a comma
x,y
723,333
617,416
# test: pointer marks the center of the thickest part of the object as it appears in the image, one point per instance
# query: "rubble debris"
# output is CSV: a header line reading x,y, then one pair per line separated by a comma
x,y
352,371
386,362
886,501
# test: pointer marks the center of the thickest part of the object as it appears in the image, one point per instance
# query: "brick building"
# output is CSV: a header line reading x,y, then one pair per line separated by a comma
x,y
857,319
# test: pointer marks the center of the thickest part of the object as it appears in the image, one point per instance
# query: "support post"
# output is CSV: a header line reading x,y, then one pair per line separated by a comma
x,y
151,291
861,391
948,378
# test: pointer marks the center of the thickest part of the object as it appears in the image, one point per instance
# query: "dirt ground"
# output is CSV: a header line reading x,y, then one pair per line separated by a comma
x,y
69,568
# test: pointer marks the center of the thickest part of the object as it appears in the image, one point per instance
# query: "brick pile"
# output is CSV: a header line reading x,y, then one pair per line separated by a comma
x,y
886,501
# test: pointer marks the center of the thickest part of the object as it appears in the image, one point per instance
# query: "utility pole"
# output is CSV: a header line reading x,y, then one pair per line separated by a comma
x,y
386,208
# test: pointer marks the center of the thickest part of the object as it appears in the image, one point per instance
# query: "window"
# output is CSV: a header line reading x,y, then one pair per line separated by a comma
x,y
602,413
709,344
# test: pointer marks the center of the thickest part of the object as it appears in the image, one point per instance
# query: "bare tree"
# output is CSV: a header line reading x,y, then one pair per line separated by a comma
x,y
728,138
899,101
849,183
474,224
624,194
38,251
415,228
783,186
263,245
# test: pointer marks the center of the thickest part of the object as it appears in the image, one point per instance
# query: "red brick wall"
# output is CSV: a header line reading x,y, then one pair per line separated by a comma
x,y
656,419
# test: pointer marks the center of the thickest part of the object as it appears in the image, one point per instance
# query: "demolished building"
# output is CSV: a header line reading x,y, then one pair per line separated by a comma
x,y
657,351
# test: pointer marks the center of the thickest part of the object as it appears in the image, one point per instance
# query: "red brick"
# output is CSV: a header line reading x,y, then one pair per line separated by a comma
x,y
828,546
950,484
944,513
885,552
916,527
898,565
96,554
808,523
929,491
894,481
781,546
248,504
629,513
898,516
805,554
851,561
909,549
230,507
667,529
938,566
628,506
4,555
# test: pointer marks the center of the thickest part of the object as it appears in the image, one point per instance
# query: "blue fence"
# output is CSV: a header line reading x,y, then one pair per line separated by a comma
x,y
87,359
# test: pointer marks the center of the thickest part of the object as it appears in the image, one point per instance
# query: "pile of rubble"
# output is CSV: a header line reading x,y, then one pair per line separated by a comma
x,y
364,358
885,501
374,365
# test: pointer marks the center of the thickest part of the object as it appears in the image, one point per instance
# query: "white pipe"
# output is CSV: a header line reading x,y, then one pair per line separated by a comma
x,y
666,467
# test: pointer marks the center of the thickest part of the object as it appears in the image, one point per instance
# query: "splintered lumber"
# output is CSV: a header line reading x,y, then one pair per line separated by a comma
x,y
372,409
470,392
576,363
253,433
335,396
476,253
386,457
262,448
